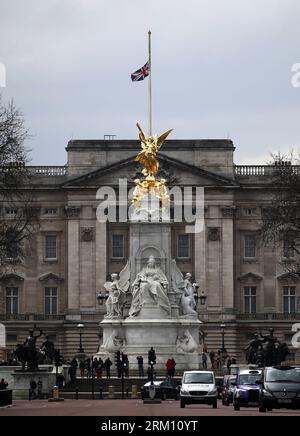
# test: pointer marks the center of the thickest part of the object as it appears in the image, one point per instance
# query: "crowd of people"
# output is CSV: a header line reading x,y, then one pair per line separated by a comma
x,y
216,360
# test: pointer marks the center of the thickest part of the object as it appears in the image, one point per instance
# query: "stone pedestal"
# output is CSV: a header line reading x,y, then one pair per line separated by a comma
x,y
139,335
20,380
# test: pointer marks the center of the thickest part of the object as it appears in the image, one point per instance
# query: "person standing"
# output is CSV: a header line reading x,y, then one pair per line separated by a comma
x,y
173,367
99,368
82,368
3,384
169,366
204,360
88,367
212,357
72,374
107,365
140,365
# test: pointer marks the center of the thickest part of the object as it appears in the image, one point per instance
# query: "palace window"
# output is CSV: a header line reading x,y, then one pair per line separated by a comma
x,y
11,212
50,301
118,246
250,299
249,211
51,211
288,248
250,246
12,300
183,246
51,247
289,299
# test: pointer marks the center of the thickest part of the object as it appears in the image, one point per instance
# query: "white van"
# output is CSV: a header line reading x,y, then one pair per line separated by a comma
x,y
198,387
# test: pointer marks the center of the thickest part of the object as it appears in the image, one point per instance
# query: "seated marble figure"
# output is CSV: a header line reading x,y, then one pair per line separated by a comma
x,y
150,287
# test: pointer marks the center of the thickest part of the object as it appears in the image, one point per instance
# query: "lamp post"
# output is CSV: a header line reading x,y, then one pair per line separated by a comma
x,y
223,327
80,328
101,298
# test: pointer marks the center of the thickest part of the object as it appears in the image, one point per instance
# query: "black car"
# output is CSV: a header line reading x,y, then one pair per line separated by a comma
x,y
229,383
164,390
280,388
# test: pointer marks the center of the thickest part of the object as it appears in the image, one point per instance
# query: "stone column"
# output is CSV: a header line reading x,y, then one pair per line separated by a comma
x,y
73,260
227,258
101,253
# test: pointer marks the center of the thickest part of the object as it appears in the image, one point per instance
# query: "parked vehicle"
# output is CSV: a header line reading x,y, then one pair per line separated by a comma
x,y
164,390
198,387
246,392
229,382
280,388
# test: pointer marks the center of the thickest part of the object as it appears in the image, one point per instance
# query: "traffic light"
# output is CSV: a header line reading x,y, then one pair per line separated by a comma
x,y
125,360
151,357
58,358
117,358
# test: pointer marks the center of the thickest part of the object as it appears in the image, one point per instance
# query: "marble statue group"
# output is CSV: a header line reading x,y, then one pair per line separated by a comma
x,y
150,287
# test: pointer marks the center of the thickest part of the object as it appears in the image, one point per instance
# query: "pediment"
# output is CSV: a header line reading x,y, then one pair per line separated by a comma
x,y
50,277
174,171
12,277
250,278
288,277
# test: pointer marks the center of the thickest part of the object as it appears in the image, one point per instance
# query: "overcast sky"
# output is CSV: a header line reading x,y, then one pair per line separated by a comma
x,y
220,69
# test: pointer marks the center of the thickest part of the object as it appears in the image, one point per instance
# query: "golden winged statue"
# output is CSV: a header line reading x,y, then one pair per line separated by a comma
x,y
147,158
150,146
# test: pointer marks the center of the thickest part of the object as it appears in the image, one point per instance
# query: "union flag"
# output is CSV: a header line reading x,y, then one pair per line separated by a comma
x,y
141,74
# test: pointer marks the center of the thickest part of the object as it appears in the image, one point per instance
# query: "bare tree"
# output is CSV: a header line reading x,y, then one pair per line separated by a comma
x,y
18,212
281,220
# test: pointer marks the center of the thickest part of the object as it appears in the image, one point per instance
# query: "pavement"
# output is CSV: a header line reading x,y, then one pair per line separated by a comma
x,y
127,408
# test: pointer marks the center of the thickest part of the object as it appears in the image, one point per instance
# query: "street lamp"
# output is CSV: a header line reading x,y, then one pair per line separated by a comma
x,y
101,298
223,327
80,328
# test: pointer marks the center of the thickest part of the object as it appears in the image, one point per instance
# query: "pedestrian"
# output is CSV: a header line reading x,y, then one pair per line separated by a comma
x,y
99,368
60,381
107,365
32,390
82,368
229,363
212,357
173,367
204,360
219,360
88,367
140,365
3,384
72,373
169,366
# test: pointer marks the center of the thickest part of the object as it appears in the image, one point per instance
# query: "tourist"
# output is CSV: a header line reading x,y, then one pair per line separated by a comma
x,y
99,368
169,366
32,390
82,368
3,384
173,367
212,357
72,373
88,367
60,381
140,365
204,360
107,365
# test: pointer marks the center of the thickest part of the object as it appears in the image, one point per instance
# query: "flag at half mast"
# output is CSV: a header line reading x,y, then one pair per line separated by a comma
x,y
142,73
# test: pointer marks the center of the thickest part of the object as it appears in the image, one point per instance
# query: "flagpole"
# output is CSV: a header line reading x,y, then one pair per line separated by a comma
x,y
150,84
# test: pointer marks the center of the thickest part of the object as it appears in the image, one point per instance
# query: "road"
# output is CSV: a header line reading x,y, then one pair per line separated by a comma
x,y
127,408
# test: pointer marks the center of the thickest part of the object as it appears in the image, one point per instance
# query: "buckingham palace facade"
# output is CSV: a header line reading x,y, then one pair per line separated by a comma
x,y
73,254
